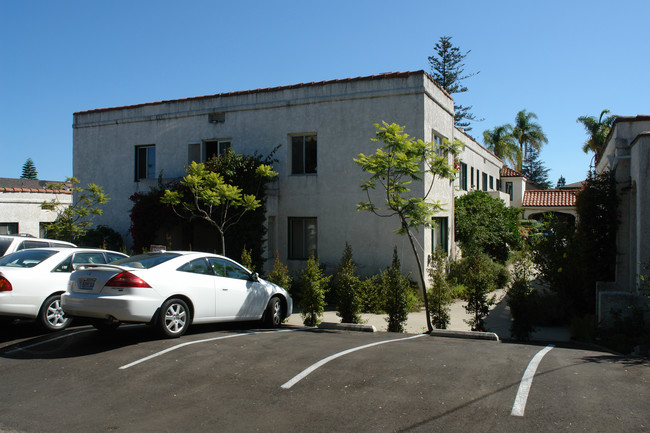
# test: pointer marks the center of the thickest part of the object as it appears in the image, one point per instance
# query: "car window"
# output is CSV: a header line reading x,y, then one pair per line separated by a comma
x,y
61,245
24,245
145,261
226,268
197,266
26,258
4,245
111,257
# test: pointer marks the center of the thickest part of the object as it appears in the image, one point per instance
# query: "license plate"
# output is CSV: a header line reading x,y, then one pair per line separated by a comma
x,y
87,284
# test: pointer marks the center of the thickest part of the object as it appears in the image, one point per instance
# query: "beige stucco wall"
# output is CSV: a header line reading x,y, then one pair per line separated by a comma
x,y
342,114
24,208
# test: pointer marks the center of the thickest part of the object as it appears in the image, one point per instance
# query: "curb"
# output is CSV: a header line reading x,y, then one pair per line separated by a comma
x,y
475,335
348,326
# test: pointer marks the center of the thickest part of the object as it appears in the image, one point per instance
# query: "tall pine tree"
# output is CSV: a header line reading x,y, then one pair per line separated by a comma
x,y
534,170
448,69
29,170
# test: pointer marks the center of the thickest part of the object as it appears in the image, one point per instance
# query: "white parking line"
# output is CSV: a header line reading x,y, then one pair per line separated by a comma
x,y
49,340
526,381
322,362
178,346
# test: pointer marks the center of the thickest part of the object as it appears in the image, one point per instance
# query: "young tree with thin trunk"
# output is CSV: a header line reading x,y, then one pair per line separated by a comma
x,y
394,167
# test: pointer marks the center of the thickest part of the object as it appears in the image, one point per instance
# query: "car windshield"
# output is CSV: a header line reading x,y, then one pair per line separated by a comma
x,y
145,261
26,258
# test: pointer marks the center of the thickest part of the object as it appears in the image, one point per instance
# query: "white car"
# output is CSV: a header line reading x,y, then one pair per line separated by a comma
x,y
32,280
172,290
12,243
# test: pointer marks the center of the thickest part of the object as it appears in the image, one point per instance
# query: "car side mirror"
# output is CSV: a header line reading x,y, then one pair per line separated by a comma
x,y
254,277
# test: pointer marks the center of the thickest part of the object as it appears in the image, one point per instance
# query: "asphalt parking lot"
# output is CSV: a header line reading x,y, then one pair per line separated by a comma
x,y
240,378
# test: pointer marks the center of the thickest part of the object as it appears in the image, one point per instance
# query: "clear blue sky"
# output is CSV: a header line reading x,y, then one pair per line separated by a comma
x,y
558,59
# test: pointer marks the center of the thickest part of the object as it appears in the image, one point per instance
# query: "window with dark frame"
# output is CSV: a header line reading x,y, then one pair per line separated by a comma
x,y
440,234
509,190
303,154
463,176
485,182
303,238
491,182
145,162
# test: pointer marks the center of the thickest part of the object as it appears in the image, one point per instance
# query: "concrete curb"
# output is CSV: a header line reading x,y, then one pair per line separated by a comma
x,y
475,335
348,326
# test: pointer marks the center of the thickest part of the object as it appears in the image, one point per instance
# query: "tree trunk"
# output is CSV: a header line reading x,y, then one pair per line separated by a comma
x,y
422,280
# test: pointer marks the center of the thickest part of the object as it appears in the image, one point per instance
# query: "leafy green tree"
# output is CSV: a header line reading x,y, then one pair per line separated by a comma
x,y
597,131
486,224
346,285
29,170
528,134
501,142
102,237
313,287
401,161
395,295
72,222
521,297
207,196
560,182
441,292
534,169
448,69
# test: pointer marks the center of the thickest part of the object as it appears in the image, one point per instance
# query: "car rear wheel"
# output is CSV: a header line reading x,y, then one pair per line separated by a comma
x,y
51,317
174,318
106,325
273,314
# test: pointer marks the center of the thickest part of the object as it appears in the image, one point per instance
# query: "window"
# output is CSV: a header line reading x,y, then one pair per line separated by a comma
x,y
438,140
201,152
463,176
498,184
145,162
485,180
228,269
509,190
472,175
303,154
302,238
491,182
440,234
197,266
8,228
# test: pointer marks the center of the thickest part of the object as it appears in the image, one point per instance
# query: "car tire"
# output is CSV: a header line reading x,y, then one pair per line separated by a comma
x,y
105,325
51,316
173,318
273,314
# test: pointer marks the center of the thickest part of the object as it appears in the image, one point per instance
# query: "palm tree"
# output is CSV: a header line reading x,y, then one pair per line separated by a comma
x,y
528,134
597,131
502,143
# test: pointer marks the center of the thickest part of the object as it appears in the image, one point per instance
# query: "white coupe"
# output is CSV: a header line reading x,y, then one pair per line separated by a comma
x,y
172,290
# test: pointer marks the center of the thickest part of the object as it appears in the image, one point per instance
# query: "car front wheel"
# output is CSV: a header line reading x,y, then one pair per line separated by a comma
x,y
174,318
51,317
273,315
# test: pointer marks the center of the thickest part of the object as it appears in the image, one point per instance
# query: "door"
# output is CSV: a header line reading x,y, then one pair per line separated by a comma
x,y
237,297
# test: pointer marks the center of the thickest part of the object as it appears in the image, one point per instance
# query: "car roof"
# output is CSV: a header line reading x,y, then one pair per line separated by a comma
x,y
76,249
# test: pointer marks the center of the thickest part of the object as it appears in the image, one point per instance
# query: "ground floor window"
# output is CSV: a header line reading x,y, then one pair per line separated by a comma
x,y
509,190
303,237
8,228
440,234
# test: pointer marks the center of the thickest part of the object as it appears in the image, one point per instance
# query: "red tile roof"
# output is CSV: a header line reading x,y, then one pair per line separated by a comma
x,y
32,185
509,172
550,198
279,88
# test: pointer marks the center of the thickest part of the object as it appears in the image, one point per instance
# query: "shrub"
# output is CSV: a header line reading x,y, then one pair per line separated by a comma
x,y
441,293
314,285
521,297
370,295
102,237
396,300
280,274
348,304
247,260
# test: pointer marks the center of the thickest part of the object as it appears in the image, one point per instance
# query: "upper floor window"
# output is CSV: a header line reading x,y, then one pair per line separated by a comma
x,y
509,190
145,162
303,154
438,140
201,152
463,176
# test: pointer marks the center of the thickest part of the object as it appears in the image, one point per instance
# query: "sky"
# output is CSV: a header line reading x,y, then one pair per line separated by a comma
x,y
557,59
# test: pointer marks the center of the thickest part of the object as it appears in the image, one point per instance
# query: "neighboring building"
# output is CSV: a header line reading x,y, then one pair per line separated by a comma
x,y
320,126
20,205
627,154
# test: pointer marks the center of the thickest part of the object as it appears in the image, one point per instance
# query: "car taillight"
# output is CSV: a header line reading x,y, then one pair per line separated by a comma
x,y
126,279
5,285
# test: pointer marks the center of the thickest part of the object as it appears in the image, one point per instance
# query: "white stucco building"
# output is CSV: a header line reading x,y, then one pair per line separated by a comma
x,y
320,126
20,205
627,154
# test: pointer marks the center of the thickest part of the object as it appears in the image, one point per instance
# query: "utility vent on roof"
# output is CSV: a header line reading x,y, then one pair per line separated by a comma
x,y
217,117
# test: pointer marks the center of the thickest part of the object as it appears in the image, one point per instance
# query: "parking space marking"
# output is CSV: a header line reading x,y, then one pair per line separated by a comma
x,y
324,361
189,343
49,340
519,406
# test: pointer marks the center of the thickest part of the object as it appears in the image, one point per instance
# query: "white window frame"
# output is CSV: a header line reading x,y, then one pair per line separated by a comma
x,y
222,145
150,166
